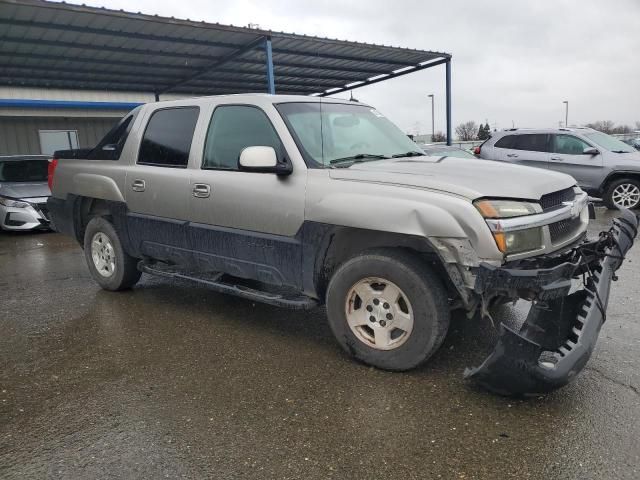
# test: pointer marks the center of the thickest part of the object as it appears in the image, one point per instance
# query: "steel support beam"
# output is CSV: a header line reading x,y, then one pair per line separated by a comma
x,y
221,61
271,85
448,99
382,77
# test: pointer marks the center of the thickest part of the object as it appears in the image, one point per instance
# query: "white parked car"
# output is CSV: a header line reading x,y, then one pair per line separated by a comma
x,y
24,192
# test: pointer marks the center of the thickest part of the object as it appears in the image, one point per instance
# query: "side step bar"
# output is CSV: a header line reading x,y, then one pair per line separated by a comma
x,y
294,301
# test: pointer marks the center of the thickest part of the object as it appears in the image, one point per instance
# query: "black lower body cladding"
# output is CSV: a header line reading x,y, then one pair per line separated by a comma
x,y
556,340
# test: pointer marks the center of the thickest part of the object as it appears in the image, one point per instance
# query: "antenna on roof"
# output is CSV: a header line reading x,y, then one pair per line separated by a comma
x,y
351,99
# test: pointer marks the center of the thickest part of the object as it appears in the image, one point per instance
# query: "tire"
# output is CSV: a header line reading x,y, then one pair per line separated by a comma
x,y
118,270
624,192
426,301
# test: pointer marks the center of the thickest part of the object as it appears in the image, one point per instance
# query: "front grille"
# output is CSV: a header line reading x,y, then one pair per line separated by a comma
x,y
555,199
564,229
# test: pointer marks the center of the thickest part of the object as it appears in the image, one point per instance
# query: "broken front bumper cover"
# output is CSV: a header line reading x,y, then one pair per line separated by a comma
x,y
556,340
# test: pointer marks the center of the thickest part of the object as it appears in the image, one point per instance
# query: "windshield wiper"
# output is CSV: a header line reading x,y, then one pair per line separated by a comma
x,y
361,157
412,153
622,151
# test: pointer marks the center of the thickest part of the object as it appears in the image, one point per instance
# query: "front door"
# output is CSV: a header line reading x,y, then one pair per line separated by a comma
x,y
246,223
157,187
568,157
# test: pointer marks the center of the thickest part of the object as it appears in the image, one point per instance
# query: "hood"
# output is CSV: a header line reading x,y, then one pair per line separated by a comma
x,y
460,176
24,190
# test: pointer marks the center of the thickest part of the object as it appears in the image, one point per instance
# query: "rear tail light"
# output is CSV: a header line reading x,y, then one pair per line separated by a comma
x,y
476,150
53,163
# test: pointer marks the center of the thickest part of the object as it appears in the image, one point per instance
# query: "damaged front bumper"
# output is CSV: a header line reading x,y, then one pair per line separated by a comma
x,y
556,340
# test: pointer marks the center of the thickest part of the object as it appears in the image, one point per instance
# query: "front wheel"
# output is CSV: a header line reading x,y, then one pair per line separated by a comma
x,y
388,309
108,263
622,193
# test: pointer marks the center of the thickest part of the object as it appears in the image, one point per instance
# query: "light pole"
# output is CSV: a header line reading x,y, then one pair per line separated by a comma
x,y
566,113
433,127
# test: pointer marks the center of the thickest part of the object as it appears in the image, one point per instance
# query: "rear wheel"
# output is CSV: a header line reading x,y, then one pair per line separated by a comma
x,y
622,193
108,263
388,309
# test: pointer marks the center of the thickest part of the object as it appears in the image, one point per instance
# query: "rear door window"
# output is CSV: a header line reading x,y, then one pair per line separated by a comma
x,y
569,145
508,141
168,136
234,128
532,142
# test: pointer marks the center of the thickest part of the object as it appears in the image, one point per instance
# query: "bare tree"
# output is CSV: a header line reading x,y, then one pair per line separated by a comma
x,y
621,129
467,130
438,137
605,126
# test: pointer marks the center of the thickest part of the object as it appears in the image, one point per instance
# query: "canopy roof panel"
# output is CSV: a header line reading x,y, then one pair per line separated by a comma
x,y
58,45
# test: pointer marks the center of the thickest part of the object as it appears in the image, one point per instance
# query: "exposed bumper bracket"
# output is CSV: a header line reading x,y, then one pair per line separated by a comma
x,y
556,340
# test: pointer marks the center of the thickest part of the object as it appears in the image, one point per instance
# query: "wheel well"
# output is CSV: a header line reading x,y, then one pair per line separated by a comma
x,y
347,243
618,176
86,209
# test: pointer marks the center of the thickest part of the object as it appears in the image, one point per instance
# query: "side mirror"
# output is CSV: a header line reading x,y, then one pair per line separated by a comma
x,y
262,159
110,147
590,151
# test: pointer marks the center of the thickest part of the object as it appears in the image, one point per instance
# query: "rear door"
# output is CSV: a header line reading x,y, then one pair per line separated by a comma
x,y
531,149
568,157
245,223
157,186
502,150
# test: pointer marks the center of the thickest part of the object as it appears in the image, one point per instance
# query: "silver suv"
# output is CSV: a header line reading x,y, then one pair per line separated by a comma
x,y
603,166
300,201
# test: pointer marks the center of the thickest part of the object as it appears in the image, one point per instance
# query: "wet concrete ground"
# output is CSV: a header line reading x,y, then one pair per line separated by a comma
x,y
172,380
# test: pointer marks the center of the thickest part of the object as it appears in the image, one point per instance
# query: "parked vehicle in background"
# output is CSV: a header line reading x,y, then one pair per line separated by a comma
x,y
299,201
24,192
603,166
634,142
445,151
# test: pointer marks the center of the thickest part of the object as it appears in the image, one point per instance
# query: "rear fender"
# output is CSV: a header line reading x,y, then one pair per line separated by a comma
x,y
96,186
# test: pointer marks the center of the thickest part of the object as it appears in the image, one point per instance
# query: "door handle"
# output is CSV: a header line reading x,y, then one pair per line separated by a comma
x,y
138,185
201,190
557,159
512,155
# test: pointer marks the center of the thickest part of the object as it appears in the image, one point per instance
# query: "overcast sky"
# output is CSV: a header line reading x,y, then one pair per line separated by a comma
x,y
514,62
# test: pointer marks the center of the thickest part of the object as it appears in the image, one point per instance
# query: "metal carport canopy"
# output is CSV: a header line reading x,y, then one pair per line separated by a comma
x,y
57,45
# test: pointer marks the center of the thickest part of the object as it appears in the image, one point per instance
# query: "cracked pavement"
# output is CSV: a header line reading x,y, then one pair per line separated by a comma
x,y
173,380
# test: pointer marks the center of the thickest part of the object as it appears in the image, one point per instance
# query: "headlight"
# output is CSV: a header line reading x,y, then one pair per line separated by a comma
x,y
521,240
506,208
516,241
7,202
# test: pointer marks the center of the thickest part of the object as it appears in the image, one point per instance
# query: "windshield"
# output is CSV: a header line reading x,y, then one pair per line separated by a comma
x,y
608,142
23,170
329,133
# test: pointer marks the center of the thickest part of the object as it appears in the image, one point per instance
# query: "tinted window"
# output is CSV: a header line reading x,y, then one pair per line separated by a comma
x,y
232,129
24,171
167,138
508,141
569,145
115,139
532,142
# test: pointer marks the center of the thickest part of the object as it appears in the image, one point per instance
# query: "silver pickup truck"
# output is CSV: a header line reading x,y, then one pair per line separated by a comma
x,y
301,201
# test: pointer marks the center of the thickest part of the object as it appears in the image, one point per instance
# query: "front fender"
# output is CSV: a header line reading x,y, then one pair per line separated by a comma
x,y
399,209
